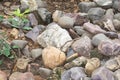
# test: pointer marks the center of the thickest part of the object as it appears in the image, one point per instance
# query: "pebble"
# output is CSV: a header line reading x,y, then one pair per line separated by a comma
x,y
117,74
14,33
3,75
98,38
117,16
53,57
116,24
116,5
82,46
66,22
79,30
35,53
26,51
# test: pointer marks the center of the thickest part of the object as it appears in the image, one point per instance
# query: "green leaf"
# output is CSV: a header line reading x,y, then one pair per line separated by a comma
x,y
15,46
1,18
26,11
27,28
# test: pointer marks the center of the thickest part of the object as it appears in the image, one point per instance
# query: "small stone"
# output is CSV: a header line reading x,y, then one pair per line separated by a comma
x,y
73,34
66,22
109,14
3,75
53,57
34,33
73,56
1,7
85,6
20,43
117,16
112,64
98,38
104,3
79,29
45,15
44,72
14,7
26,51
94,29
96,13
14,76
82,46
92,64
111,34
7,4
75,73
109,48
41,4
116,24
56,15
32,19
35,53
102,73
117,74
14,33
116,5
26,76
54,35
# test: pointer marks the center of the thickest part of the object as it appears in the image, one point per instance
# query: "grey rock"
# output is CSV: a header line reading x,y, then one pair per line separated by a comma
x,y
32,19
1,7
79,29
109,48
102,73
41,3
116,24
24,5
117,16
45,15
116,4
34,33
104,3
85,6
96,13
73,34
117,74
26,51
112,64
55,36
75,73
111,34
20,43
66,22
6,23
98,38
44,72
82,46
35,53
14,7
109,14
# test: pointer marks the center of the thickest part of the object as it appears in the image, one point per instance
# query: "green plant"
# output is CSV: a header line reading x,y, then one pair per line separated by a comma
x,y
1,18
19,14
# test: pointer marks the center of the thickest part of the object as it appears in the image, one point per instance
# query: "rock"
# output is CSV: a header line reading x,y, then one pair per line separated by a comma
x,y
20,43
92,64
66,22
35,53
117,74
26,51
53,57
117,16
112,64
1,7
41,4
75,73
98,38
79,29
109,48
85,6
45,15
108,24
102,73
73,34
80,61
14,76
73,56
82,46
109,14
14,33
37,77
94,29
31,4
54,35
32,19
44,72
104,3
34,33
116,5
7,4
111,34
14,7
3,75
6,23
116,24
22,63
56,15
96,13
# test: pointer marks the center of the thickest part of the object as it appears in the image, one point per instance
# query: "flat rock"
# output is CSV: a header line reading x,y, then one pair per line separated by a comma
x,y
54,35
32,19
53,57
35,53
